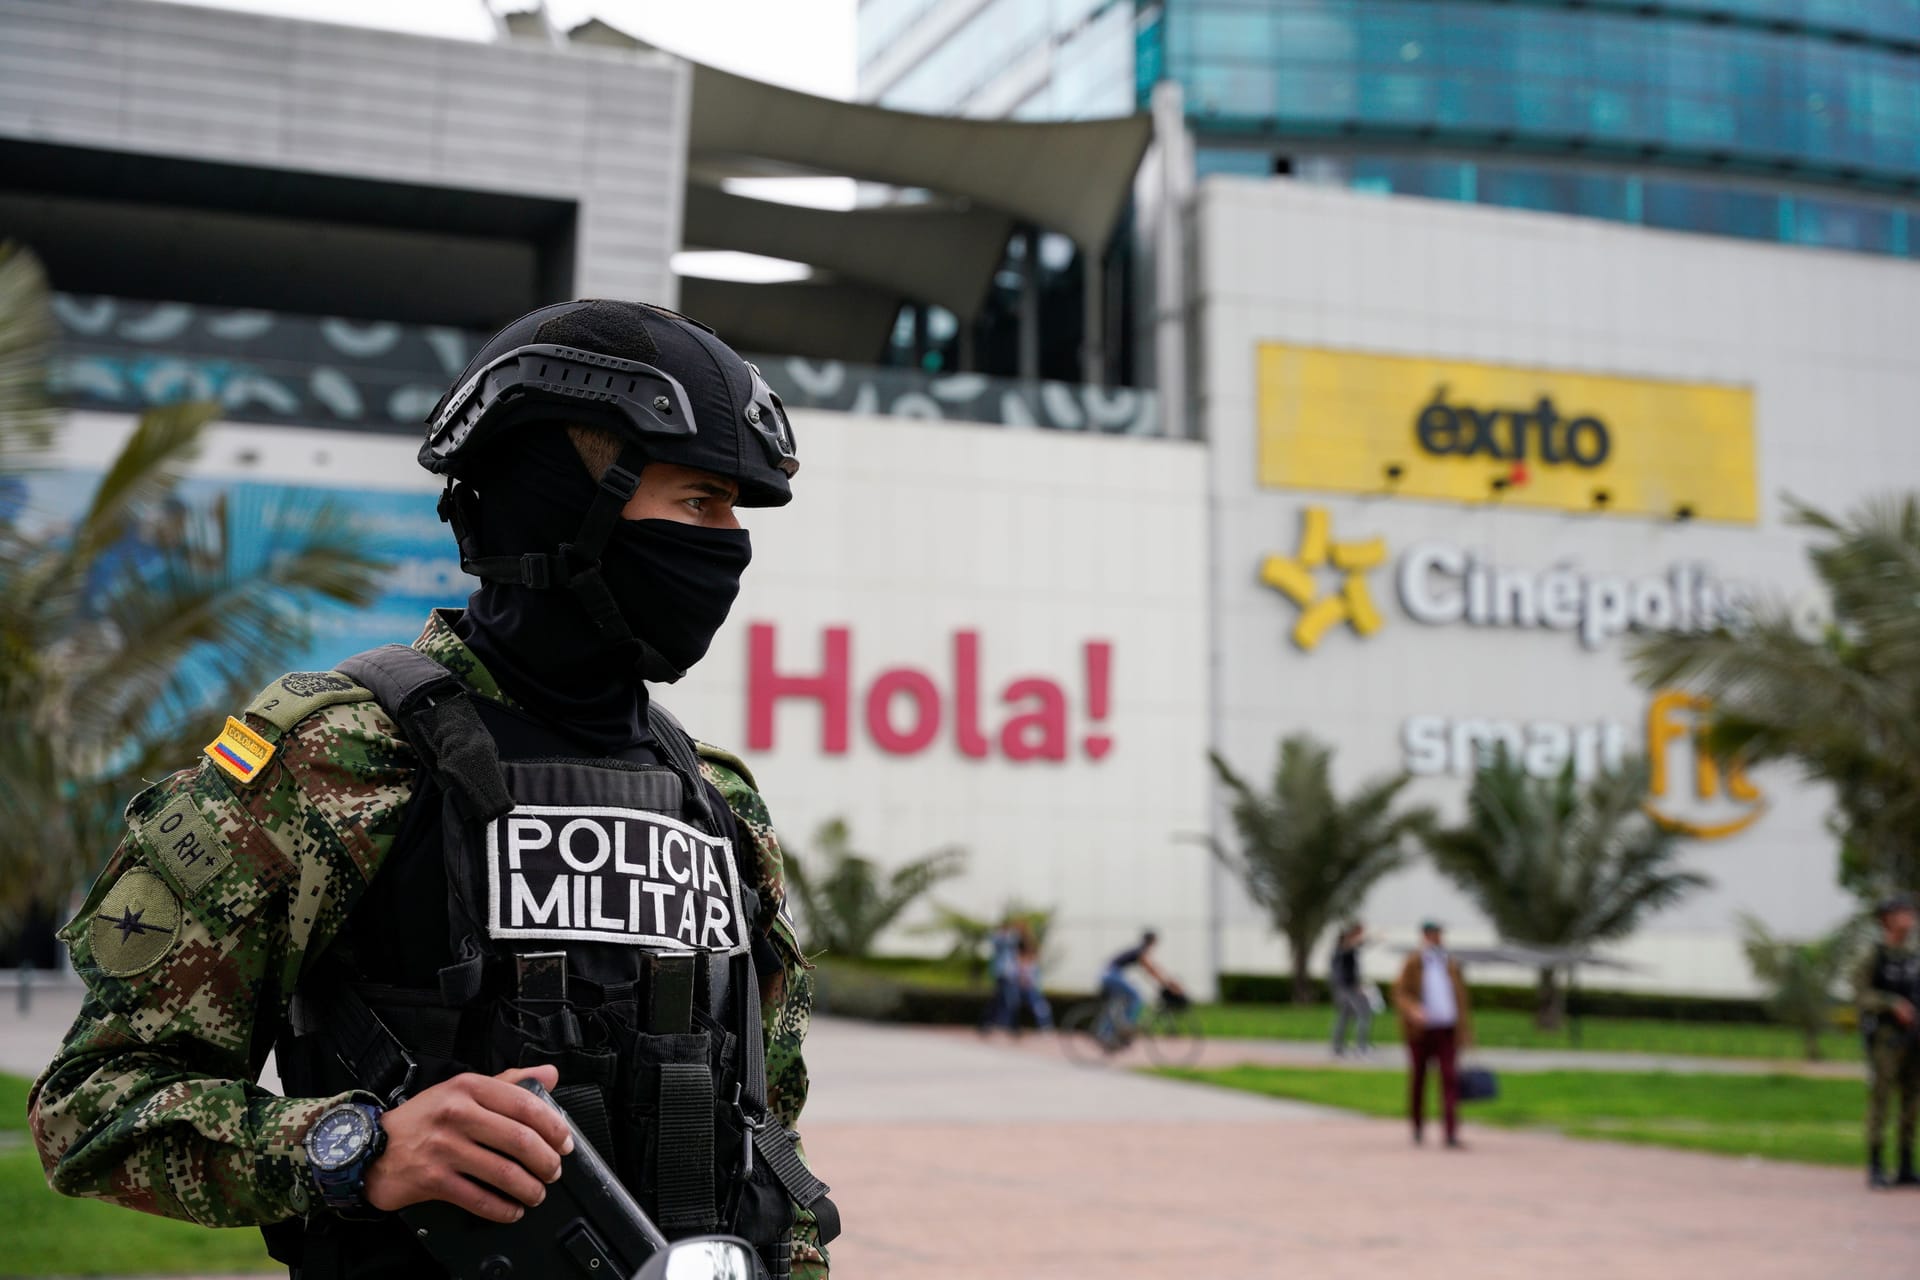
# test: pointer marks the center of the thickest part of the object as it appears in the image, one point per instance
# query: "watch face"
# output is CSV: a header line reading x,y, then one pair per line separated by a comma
x,y
339,1137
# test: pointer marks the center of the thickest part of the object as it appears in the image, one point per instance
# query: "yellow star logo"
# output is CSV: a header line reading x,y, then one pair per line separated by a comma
x,y
1293,577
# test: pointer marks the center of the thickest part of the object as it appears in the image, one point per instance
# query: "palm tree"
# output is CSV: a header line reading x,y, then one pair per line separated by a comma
x,y
1307,855
1800,975
130,628
1843,705
1556,864
847,900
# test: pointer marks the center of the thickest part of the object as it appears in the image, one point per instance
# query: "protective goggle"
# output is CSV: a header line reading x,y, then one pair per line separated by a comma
x,y
767,419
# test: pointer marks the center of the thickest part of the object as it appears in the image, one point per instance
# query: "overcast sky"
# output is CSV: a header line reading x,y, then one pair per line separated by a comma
x,y
806,44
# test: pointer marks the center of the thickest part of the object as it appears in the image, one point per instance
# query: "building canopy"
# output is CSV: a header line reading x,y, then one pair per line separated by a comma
x,y
983,178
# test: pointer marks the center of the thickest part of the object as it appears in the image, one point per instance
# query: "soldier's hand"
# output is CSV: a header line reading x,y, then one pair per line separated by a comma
x,y
474,1141
1903,1010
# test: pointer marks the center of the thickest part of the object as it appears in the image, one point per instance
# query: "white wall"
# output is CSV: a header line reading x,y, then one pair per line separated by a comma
x,y
906,532
1825,341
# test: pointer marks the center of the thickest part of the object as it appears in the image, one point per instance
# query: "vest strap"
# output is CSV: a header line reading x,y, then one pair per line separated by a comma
x,y
436,712
684,1167
681,754
587,1104
773,1143
370,1052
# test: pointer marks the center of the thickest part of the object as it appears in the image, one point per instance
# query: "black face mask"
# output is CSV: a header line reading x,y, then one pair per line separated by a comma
x,y
674,584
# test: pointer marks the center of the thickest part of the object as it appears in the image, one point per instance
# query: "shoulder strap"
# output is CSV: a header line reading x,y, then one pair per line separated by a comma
x,y
298,694
436,712
679,748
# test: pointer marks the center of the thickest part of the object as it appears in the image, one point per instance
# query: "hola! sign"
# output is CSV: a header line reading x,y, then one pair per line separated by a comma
x,y
908,710
1452,430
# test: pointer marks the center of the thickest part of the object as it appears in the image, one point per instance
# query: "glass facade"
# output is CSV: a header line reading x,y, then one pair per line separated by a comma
x,y
1670,88
1787,120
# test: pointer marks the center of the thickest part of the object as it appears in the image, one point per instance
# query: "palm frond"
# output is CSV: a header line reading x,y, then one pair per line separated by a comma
x,y
26,337
1305,853
1844,706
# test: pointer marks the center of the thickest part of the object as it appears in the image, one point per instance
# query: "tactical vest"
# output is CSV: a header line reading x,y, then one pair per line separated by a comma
x,y
600,916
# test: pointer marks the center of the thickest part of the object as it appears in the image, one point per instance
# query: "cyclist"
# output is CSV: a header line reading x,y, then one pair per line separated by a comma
x,y
1115,989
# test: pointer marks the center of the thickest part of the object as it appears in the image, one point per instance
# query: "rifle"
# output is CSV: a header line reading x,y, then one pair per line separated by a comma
x,y
587,1228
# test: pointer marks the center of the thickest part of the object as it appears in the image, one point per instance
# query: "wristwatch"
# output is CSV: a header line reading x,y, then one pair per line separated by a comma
x,y
341,1145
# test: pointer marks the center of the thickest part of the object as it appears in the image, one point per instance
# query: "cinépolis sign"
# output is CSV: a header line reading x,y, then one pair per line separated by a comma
x,y
1420,427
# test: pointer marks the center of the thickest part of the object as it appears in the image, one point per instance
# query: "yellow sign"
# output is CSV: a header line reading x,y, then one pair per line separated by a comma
x,y
1294,578
239,751
1426,428
1723,801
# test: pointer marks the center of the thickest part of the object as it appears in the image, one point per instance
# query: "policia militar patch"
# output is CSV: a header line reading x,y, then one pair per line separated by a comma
x,y
184,846
135,924
605,874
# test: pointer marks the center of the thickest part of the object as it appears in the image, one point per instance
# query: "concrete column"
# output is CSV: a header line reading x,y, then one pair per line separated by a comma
x,y
1093,319
1029,368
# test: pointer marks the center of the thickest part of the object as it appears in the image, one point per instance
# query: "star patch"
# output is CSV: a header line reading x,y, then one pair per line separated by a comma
x,y
1294,579
135,924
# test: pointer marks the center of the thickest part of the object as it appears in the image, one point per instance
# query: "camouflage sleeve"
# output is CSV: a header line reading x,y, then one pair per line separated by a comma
x,y
1868,998
190,944
786,1006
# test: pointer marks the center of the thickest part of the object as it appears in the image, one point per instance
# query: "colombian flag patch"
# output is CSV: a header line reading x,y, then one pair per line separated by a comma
x,y
239,751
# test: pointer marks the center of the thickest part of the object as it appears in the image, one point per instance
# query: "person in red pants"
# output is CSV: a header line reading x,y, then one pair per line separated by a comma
x,y
1431,998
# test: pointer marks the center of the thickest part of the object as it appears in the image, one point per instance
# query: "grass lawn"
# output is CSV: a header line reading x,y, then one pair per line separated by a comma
x,y
1777,1117
49,1234
1511,1029
917,971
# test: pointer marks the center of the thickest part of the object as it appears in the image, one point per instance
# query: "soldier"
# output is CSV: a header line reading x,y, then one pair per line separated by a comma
x,y
486,858
1886,987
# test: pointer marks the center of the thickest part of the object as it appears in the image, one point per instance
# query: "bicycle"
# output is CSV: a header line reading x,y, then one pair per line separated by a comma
x,y
1169,1030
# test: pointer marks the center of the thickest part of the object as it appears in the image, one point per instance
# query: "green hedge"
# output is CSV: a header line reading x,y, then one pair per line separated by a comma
x,y
852,992
1277,988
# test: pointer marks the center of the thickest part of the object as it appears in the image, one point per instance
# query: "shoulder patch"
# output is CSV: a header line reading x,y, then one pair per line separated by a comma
x,y
183,845
720,755
134,926
239,751
292,698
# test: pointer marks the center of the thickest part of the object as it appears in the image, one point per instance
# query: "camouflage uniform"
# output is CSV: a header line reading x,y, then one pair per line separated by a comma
x,y
216,903
1893,1048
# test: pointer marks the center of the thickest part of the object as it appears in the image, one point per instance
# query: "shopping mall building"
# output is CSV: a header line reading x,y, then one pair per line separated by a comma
x,y
1201,400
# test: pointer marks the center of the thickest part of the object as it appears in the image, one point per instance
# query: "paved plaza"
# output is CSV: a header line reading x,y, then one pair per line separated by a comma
x,y
955,1158
952,1157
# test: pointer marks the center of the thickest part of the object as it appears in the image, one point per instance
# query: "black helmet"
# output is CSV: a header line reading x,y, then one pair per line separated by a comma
x,y
663,384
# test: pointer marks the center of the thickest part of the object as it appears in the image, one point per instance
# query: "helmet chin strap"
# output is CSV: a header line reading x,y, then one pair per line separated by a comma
x,y
575,566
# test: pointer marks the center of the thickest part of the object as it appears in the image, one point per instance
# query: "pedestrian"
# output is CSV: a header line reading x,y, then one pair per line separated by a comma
x,y
1027,978
1003,968
1431,999
1887,988
487,858
1352,1003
